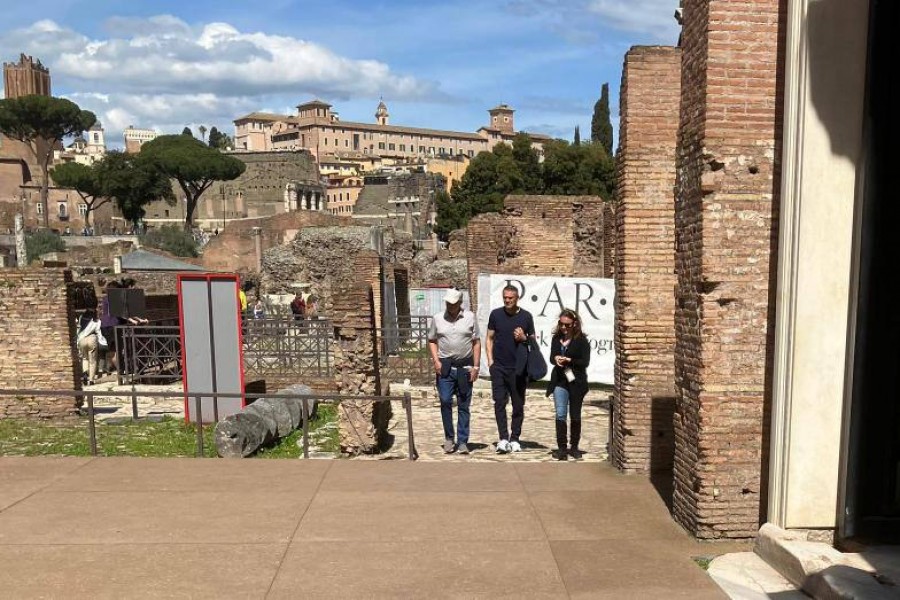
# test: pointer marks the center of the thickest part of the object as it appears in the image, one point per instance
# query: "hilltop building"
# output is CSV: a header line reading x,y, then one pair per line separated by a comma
x,y
318,129
136,137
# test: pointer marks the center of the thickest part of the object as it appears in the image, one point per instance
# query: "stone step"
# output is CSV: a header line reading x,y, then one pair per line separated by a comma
x,y
823,571
746,576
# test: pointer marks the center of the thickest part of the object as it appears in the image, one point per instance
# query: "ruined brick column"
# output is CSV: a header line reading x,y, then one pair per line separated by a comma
x,y
643,402
726,233
37,348
363,424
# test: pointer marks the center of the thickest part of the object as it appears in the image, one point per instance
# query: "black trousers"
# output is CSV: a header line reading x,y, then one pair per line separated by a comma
x,y
507,386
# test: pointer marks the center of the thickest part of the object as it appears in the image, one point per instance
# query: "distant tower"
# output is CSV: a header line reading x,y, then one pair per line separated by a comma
x,y
381,114
502,118
96,141
25,78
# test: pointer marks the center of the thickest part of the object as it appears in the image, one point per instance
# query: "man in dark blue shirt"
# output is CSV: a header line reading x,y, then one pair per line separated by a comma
x,y
507,329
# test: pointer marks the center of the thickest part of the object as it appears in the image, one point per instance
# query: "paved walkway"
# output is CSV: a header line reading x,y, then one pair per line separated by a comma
x,y
538,430
207,528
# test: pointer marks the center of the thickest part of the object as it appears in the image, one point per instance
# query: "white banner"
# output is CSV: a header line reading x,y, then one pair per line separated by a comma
x,y
545,297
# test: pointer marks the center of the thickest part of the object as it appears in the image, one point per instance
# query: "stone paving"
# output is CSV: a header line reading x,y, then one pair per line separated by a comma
x,y
538,429
112,408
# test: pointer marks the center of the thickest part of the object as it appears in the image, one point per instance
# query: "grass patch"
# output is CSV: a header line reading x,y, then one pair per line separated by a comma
x,y
322,435
168,437
703,561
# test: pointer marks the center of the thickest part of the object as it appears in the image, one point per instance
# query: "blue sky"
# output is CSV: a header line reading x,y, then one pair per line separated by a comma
x,y
166,64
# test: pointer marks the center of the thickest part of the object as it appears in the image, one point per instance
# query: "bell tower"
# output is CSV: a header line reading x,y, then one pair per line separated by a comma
x,y
502,118
381,114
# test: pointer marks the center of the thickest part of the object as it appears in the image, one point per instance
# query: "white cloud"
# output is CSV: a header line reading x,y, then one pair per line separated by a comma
x,y
577,20
654,17
166,113
164,55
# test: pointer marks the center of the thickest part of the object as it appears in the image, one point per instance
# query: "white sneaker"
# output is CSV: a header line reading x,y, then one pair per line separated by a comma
x,y
502,447
515,447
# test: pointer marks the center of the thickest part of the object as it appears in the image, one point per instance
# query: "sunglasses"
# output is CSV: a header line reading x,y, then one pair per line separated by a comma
x,y
561,324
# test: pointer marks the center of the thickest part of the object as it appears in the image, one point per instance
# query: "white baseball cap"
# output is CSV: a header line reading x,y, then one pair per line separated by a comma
x,y
452,296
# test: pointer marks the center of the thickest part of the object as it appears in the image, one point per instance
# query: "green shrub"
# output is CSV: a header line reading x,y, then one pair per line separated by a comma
x,y
172,239
41,242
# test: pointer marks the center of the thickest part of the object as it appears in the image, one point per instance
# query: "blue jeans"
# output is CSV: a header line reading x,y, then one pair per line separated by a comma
x,y
456,382
563,400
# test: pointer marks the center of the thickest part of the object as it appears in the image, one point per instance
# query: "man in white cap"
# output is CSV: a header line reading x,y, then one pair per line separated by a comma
x,y
455,347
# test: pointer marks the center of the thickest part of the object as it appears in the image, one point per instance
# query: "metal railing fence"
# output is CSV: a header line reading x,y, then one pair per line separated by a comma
x,y
404,352
148,353
285,347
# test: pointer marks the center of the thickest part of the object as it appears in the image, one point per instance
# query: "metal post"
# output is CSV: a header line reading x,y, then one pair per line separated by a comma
x,y
92,428
198,411
411,441
304,401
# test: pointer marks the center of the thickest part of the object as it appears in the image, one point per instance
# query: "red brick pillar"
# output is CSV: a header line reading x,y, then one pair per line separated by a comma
x,y
643,403
37,349
726,232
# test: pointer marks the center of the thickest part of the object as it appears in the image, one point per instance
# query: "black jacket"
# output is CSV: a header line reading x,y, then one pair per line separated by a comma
x,y
579,351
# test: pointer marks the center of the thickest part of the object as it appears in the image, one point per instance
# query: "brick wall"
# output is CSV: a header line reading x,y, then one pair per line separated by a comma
x,y
643,403
726,227
609,239
36,348
537,235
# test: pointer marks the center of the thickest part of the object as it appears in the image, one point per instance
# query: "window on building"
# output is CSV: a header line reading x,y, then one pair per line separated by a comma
x,y
63,210
431,149
346,143
82,209
324,141
451,151
391,147
39,208
471,153
421,149
381,145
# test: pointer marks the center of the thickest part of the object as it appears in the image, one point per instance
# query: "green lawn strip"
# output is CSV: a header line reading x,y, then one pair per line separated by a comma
x,y
168,437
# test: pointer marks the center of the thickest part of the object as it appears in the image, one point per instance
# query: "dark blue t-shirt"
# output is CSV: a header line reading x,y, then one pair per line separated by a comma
x,y
503,324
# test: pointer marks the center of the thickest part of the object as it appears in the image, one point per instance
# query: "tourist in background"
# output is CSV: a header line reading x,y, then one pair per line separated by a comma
x,y
509,328
298,306
455,347
570,355
259,310
88,343
108,324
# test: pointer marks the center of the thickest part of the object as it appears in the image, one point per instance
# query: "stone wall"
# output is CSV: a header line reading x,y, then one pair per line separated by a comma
x,y
642,429
726,227
258,192
323,257
234,249
37,347
537,235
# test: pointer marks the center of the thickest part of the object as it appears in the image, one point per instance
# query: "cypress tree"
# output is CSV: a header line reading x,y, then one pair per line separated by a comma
x,y
601,126
577,141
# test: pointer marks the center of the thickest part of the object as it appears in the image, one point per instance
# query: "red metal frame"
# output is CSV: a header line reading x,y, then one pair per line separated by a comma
x,y
209,277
